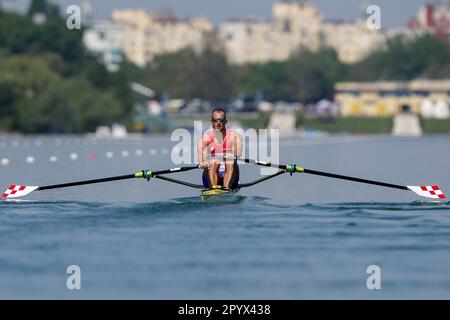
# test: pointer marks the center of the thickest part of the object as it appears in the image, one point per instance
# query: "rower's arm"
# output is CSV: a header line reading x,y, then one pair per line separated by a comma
x,y
237,145
202,148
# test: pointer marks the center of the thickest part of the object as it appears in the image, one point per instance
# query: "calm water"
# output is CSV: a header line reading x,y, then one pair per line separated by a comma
x,y
296,237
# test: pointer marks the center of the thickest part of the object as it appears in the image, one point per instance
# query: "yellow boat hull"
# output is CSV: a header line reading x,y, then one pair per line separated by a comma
x,y
220,195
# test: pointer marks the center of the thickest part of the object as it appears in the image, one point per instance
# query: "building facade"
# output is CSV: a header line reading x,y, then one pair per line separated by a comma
x,y
433,18
387,98
352,40
105,39
295,25
145,36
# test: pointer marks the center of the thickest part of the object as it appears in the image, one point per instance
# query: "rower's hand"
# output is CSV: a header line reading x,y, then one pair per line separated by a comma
x,y
204,165
229,158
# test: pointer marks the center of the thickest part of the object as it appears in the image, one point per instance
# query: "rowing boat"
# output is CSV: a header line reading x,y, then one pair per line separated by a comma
x,y
221,196
427,191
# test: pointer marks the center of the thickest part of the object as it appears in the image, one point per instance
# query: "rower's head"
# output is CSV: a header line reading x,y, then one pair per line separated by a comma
x,y
219,119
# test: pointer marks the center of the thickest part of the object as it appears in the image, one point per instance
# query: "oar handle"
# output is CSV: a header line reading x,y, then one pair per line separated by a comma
x,y
147,174
180,169
289,167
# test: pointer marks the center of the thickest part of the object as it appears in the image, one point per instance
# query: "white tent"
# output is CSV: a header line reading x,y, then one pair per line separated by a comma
x,y
427,109
441,110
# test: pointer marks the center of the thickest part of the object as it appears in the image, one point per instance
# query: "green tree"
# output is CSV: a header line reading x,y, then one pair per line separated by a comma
x,y
312,75
174,72
404,59
43,6
213,79
19,35
68,106
48,83
188,74
9,94
307,76
270,77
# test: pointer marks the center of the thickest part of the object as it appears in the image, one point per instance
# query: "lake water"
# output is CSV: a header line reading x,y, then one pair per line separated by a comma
x,y
294,237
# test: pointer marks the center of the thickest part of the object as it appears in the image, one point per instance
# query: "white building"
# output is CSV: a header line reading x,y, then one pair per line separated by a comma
x,y
105,39
295,25
146,36
351,40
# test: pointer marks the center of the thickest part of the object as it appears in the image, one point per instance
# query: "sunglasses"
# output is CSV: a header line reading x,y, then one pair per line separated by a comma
x,y
216,120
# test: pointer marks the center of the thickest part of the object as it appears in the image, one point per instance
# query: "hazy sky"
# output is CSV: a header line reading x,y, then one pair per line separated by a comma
x,y
393,12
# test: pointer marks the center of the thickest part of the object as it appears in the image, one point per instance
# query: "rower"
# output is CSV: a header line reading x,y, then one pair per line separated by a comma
x,y
217,144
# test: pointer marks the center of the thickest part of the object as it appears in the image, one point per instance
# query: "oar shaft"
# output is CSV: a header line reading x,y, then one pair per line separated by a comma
x,y
80,183
183,183
325,174
143,174
338,176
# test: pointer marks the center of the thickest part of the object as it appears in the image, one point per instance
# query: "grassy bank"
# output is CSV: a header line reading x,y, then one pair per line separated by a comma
x,y
332,125
435,125
352,125
260,122
369,125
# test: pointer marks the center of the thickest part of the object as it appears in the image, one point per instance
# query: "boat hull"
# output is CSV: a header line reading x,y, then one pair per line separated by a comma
x,y
221,196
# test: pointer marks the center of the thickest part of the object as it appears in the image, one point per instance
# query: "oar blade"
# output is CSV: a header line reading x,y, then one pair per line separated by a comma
x,y
16,191
433,192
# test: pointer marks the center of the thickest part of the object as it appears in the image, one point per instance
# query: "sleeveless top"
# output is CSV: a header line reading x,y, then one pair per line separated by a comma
x,y
217,148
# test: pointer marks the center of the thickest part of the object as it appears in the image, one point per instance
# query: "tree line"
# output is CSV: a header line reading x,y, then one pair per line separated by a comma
x,y
50,83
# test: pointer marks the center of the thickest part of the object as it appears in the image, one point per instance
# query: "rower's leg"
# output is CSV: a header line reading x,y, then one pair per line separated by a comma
x,y
213,173
205,179
231,174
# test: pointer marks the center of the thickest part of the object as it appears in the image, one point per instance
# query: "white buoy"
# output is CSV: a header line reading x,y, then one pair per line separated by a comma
x,y
73,156
4,162
30,159
53,159
109,155
125,154
153,152
139,152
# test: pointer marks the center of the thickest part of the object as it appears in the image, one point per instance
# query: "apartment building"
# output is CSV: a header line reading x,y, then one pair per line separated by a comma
x,y
146,35
351,40
434,18
295,25
258,41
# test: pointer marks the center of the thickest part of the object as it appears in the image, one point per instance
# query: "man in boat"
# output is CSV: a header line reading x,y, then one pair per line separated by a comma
x,y
218,144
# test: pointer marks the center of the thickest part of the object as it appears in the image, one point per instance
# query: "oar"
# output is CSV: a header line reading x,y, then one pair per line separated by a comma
x,y
433,192
16,191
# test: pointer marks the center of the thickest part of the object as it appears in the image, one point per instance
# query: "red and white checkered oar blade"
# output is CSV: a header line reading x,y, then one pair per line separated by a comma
x,y
433,192
16,191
